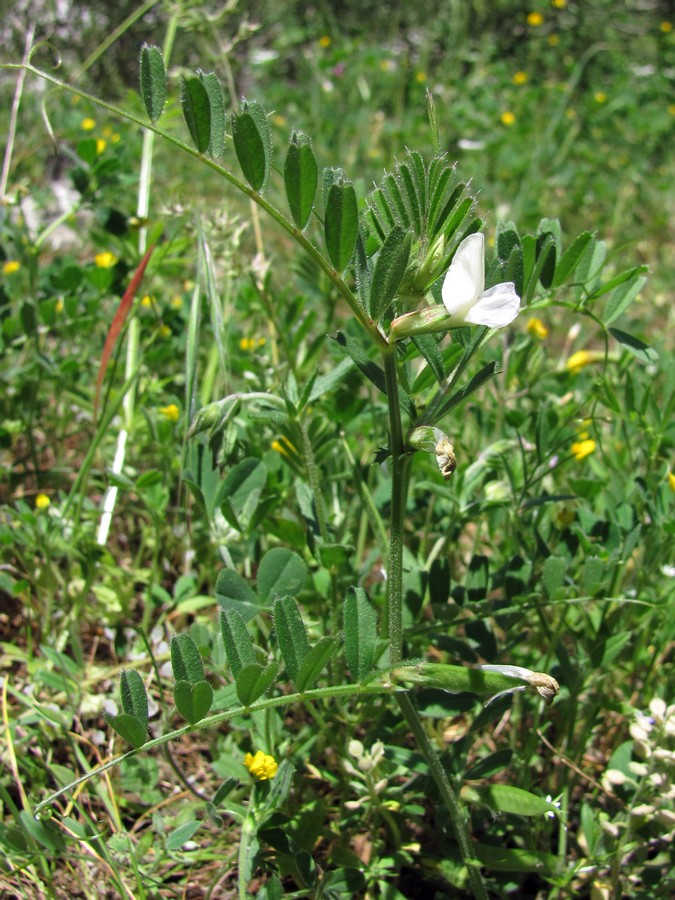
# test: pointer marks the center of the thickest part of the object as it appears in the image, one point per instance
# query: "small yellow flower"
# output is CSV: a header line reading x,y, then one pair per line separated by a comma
x,y
582,449
560,4
11,266
107,131
507,118
279,448
279,120
671,109
570,113
250,344
100,145
88,124
171,412
535,19
537,329
666,27
520,78
115,137
176,302
582,358
105,260
147,301
165,331
42,501
421,77
553,39
261,765
325,41
60,306
671,480
600,97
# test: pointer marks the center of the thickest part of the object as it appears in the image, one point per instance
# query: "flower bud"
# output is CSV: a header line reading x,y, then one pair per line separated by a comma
x,y
422,321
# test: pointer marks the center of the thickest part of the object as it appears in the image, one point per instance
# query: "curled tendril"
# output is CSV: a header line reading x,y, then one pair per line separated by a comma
x,y
57,60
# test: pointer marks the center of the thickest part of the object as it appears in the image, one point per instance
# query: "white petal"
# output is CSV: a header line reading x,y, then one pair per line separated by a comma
x,y
496,308
465,279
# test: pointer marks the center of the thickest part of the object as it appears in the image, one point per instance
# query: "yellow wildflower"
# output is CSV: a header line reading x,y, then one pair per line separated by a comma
x,y
582,449
421,77
507,118
100,145
59,305
88,124
11,266
261,765
279,120
250,344
171,412
537,329
279,448
666,27
560,4
176,302
147,301
105,260
42,501
671,109
535,19
520,78
600,97
165,331
582,358
324,41
671,480
553,39
115,137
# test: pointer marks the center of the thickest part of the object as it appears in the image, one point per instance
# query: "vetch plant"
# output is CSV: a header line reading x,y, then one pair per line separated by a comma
x,y
417,234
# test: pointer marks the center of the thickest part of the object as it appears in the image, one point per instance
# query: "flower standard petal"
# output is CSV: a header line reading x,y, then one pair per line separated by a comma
x,y
465,279
496,308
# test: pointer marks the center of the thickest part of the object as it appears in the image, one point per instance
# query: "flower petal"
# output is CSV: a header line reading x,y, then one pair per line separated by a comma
x,y
495,308
465,279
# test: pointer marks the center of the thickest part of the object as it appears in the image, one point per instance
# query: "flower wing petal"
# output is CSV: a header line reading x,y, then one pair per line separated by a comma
x,y
465,279
495,308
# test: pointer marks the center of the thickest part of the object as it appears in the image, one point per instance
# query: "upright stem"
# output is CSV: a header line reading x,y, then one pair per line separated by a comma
x,y
399,484
399,463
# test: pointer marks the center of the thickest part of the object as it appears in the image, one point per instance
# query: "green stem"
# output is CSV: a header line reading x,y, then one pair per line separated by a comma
x,y
400,459
324,264
246,841
399,462
454,806
341,690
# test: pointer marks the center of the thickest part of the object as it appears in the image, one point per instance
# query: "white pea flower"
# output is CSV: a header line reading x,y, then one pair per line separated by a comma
x,y
464,294
465,300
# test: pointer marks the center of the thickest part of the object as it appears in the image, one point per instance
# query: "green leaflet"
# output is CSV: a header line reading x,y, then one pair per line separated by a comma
x,y
341,223
291,634
360,628
301,178
253,144
186,659
194,99
153,81
237,641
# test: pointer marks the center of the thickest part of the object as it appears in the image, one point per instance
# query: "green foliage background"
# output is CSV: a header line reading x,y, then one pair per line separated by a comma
x,y
532,554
